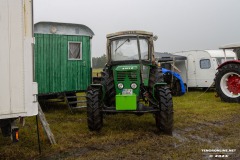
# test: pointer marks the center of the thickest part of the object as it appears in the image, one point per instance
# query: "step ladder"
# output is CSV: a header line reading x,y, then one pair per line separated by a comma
x,y
76,102
45,126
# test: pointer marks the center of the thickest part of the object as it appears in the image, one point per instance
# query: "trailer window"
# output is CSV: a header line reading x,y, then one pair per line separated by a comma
x,y
205,64
74,50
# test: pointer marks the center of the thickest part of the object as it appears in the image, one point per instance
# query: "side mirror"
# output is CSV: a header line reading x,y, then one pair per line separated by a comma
x,y
155,37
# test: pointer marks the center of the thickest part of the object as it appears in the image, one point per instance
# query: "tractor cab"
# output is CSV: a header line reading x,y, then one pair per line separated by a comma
x,y
124,47
130,55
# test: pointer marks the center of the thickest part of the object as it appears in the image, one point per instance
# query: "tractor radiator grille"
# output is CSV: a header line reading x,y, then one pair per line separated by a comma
x,y
130,74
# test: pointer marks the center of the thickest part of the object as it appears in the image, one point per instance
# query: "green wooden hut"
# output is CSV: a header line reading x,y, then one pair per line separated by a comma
x,y
62,57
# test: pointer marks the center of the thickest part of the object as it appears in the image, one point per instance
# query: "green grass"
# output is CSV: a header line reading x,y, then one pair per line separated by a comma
x,y
201,121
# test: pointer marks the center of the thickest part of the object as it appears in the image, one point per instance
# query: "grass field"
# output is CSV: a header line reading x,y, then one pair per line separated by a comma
x,y
201,121
96,72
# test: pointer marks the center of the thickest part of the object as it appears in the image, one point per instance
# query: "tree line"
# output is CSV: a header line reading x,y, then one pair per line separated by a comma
x,y
99,62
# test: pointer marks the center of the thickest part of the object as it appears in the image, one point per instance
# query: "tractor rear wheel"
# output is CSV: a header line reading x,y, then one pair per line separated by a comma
x,y
156,76
164,118
94,107
227,83
108,82
176,89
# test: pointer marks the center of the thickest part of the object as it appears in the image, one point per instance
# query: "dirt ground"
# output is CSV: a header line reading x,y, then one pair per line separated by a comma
x,y
204,128
185,143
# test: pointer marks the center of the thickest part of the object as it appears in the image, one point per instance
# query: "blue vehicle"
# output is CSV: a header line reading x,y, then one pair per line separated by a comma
x,y
173,79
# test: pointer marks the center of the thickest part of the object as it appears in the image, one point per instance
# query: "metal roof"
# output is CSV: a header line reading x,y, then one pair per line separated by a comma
x,y
230,46
211,53
62,29
168,57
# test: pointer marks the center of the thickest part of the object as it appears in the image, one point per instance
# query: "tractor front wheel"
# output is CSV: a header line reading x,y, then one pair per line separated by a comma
x,y
94,107
227,83
164,118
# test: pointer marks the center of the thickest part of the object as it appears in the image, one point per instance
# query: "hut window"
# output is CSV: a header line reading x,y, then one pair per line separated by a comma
x,y
74,50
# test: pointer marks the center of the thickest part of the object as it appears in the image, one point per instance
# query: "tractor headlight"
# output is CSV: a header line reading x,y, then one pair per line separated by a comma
x,y
120,85
133,85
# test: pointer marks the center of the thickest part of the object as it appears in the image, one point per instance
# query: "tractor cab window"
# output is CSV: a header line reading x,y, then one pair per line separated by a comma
x,y
125,49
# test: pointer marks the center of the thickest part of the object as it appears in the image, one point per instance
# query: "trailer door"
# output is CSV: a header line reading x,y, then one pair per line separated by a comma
x,y
205,72
191,71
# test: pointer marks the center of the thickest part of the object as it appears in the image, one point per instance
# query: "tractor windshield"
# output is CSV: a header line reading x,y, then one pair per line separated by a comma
x,y
127,49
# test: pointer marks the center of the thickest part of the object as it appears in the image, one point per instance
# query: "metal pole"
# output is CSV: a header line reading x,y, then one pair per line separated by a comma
x,y
39,145
140,59
225,56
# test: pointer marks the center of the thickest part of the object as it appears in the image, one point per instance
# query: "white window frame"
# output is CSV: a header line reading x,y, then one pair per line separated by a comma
x,y
75,59
202,66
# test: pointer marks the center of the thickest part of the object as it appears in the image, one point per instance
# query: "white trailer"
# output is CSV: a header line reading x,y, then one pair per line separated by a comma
x,y
201,66
18,91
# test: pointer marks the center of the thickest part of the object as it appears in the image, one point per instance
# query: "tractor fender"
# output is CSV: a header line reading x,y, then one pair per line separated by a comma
x,y
232,61
100,87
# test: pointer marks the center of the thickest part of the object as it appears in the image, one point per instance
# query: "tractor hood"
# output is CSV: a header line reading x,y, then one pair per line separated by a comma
x,y
125,76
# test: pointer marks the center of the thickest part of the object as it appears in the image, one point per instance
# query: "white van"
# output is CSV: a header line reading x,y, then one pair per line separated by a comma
x,y
200,67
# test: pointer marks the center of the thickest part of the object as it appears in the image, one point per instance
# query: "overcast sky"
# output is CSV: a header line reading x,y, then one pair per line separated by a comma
x,y
179,24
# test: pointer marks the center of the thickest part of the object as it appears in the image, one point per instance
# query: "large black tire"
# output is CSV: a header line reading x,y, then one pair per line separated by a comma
x,y
176,89
156,76
164,118
94,107
227,82
173,83
108,82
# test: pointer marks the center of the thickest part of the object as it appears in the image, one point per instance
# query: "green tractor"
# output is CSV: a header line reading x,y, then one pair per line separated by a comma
x,y
131,82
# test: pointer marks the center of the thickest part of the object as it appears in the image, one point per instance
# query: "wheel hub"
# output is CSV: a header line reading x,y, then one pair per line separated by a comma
x,y
233,84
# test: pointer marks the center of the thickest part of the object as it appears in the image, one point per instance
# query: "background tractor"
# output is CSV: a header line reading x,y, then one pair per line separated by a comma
x,y
227,80
131,82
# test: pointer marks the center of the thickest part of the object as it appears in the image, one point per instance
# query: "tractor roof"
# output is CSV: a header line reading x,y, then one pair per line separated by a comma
x,y
132,32
230,46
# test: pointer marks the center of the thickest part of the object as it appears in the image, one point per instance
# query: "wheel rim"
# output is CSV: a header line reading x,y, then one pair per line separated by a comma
x,y
230,84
